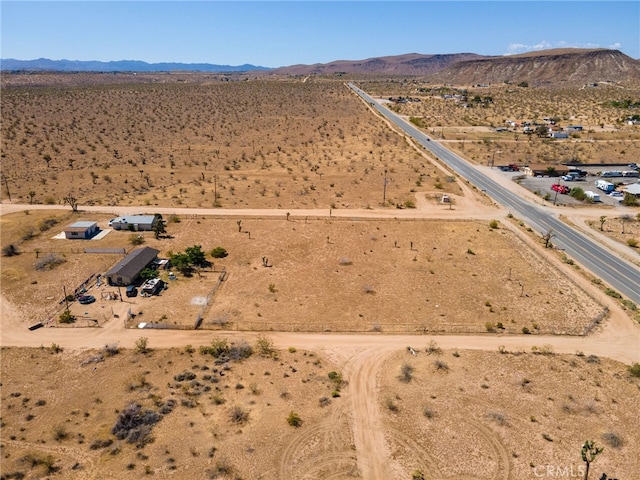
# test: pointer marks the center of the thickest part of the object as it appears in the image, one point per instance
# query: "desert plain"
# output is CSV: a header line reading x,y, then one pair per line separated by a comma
x,y
364,328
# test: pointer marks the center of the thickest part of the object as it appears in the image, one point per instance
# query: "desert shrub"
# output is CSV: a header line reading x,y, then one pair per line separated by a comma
x,y
629,304
592,359
46,461
498,417
634,370
218,348
493,224
490,326
294,419
264,347
238,415
336,378
612,439
433,348
324,401
111,349
428,412
441,365
60,433
10,250
632,242
100,443
142,345
49,262
219,252
173,218
134,425
136,239
417,475
186,375
391,405
612,293
67,317
406,373
28,233
526,330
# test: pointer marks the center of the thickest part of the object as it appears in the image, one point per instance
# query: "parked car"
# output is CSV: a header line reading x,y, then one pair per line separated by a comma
x,y
86,299
560,188
616,194
132,291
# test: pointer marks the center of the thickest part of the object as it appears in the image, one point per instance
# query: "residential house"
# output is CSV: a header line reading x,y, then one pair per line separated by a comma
x,y
134,223
127,270
81,230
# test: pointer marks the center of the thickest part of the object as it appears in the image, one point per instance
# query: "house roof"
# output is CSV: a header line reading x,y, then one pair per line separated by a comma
x,y
80,226
133,263
138,219
633,189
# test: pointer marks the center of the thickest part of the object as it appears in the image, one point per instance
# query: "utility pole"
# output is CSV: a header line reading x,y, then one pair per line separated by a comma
x,y
66,302
215,190
6,184
384,189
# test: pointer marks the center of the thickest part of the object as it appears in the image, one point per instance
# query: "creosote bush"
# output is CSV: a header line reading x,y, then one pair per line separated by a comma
x,y
294,419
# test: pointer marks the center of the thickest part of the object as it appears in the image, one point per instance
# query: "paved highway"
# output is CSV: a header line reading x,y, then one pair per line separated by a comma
x,y
620,275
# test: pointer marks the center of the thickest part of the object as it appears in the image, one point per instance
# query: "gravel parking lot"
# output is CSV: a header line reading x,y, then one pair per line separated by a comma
x,y
542,185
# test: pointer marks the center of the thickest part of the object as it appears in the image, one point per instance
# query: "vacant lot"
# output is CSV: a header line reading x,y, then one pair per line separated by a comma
x,y
482,415
489,415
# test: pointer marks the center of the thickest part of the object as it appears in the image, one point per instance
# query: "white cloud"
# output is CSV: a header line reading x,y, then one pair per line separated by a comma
x,y
515,48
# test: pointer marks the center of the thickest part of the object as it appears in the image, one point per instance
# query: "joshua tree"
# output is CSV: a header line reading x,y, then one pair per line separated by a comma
x,y
547,238
589,454
602,220
72,201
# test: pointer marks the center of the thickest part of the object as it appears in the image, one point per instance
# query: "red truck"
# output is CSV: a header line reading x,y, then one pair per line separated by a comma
x,y
560,188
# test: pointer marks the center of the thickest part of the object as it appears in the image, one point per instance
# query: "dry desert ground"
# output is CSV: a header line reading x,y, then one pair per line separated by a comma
x,y
341,256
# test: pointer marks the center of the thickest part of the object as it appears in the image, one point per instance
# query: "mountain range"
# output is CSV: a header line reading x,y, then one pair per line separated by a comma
x,y
547,67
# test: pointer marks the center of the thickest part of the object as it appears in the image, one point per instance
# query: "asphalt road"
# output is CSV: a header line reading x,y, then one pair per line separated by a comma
x,y
617,273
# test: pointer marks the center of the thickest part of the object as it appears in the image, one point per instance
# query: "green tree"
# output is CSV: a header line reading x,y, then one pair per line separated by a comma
x,y
180,261
542,131
148,274
196,256
159,227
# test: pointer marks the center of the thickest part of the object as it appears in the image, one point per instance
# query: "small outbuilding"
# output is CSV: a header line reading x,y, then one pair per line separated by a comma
x,y
127,270
543,170
134,223
81,230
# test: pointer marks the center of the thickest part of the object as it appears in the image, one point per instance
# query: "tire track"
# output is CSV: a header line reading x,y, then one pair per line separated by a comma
x,y
372,452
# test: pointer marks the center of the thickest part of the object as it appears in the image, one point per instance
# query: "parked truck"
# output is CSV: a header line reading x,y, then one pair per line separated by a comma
x,y
605,186
593,196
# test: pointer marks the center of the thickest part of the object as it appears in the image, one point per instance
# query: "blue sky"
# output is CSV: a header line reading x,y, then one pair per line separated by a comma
x,y
273,34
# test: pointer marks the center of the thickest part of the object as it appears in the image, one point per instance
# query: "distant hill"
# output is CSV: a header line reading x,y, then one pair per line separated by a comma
x,y
569,66
413,64
44,64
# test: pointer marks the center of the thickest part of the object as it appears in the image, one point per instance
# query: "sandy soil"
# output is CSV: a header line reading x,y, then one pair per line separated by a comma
x,y
474,418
